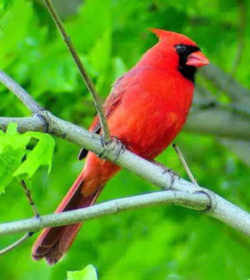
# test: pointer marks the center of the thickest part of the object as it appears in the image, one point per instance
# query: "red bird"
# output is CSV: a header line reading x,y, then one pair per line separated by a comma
x,y
145,110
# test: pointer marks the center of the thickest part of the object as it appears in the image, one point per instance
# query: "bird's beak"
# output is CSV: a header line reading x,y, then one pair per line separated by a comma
x,y
197,59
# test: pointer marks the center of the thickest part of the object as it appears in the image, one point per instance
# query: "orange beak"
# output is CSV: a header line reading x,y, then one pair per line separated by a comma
x,y
197,59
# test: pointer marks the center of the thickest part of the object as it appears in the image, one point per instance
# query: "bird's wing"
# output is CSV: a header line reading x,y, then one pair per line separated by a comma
x,y
109,106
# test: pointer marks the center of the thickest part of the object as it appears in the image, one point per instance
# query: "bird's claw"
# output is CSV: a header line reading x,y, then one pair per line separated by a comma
x,y
172,174
115,147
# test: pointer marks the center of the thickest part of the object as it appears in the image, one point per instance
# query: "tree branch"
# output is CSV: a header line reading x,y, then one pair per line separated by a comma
x,y
240,147
215,121
220,208
28,234
225,82
34,123
198,201
219,122
27,100
203,99
16,244
217,207
86,79
30,199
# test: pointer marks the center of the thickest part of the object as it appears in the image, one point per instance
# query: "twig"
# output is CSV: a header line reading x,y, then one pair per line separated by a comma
x,y
197,201
29,197
16,244
88,82
29,234
27,100
184,163
225,211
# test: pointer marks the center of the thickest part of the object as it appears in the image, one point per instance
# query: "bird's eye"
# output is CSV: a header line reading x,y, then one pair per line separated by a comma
x,y
181,49
185,50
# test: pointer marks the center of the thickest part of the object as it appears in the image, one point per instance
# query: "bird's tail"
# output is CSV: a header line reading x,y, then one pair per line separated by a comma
x,y
52,243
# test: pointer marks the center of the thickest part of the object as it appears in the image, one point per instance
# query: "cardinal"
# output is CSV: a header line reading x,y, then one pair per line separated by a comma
x,y
145,110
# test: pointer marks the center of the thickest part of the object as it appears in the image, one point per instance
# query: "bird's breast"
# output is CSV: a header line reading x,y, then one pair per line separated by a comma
x,y
151,113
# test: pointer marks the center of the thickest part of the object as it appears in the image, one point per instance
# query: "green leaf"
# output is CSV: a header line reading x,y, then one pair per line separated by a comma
x,y
12,151
12,129
88,273
41,155
17,160
10,159
6,3
101,53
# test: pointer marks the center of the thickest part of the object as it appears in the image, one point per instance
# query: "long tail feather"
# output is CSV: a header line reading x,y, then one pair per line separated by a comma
x,y
52,243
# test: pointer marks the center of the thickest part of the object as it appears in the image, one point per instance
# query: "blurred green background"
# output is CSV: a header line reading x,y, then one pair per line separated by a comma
x,y
157,243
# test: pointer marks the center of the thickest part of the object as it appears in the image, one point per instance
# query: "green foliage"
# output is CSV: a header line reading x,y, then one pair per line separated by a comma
x,y
9,23
88,273
110,35
16,160
12,151
40,155
5,3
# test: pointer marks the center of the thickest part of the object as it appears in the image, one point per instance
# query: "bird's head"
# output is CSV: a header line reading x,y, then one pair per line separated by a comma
x,y
181,52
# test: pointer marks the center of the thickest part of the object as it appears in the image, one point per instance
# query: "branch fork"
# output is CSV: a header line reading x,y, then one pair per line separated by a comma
x,y
182,192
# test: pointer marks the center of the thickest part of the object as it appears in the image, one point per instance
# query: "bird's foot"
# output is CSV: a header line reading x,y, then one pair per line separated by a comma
x,y
114,148
173,175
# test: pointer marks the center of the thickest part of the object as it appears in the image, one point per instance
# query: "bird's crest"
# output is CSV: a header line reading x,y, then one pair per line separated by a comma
x,y
160,33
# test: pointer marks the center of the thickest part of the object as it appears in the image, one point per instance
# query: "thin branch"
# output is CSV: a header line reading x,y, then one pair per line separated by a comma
x,y
16,244
215,121
239,147
29,234
87,80
220,122
29,197
27,100
197,201
241,108
203,99
220,208
34,123
185,165
220,80
217,207
225,211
